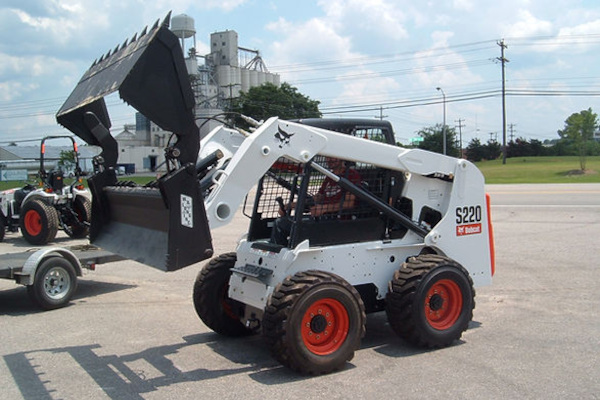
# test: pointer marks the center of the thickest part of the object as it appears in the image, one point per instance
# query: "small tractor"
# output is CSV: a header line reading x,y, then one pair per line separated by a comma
x,y
40,211
339,225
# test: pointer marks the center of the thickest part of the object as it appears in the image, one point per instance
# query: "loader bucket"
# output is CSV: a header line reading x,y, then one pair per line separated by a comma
x,y
164,226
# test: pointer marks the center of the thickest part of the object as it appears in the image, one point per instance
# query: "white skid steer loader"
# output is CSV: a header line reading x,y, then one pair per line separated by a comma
x,y
340,225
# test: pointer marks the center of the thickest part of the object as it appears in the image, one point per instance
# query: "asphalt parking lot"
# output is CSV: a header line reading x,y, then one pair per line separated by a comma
x,y
131,331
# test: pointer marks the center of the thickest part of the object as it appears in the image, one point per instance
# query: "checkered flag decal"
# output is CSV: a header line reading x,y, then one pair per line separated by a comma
x,y
187,211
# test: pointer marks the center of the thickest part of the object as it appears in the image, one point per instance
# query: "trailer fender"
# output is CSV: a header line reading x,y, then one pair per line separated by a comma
x,y
30,267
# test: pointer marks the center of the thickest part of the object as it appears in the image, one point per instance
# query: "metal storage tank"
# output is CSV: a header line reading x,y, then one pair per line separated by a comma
x,y
276,80
183,26
253,78
229,80
245,73
268,77
191,65
261,77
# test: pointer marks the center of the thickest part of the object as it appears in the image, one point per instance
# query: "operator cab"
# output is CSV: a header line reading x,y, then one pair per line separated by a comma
x,y
299,185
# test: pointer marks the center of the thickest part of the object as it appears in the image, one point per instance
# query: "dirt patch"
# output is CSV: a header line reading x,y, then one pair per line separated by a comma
x,y
578,172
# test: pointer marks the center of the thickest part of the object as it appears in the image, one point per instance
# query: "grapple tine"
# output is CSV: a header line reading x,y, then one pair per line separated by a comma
x,y
167,20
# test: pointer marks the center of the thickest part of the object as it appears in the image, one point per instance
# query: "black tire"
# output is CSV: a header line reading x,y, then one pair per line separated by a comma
x,y
79,222
54,284
430,301
313,322
211,301
38,222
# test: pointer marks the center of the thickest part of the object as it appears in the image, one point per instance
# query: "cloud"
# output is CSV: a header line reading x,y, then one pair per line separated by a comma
x,y
312,40
367,91
380,17
528,25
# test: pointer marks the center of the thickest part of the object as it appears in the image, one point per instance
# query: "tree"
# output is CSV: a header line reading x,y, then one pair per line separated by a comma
x,y
489,151
67,160
523,148
475,150
433,140
268,100
580,128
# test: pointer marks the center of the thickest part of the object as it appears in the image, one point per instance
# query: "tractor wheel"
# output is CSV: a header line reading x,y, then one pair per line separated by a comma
x,y
54,284
82,207
430,301
314,322
211,301
38,222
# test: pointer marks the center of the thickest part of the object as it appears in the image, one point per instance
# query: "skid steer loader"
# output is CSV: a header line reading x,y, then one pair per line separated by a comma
x,y
407,232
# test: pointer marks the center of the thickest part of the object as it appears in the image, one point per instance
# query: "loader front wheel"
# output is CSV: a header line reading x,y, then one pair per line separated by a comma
x,y
314,322
211,301
430,301
38,222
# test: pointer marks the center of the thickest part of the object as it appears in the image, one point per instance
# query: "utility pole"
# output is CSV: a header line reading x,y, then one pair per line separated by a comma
x,y
460,126
503,60
444,123
512,131
381,116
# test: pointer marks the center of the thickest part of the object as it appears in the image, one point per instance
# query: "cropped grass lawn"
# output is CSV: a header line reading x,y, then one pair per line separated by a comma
x,y
540,170
516,170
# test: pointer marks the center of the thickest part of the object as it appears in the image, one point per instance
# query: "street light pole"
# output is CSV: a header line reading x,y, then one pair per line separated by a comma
x,y
444,123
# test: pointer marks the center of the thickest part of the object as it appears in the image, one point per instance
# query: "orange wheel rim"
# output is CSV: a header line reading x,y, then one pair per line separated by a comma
x,y
33,222
443,304
325,326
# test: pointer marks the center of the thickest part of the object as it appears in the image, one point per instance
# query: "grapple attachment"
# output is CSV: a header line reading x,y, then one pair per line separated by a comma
x,y
165,225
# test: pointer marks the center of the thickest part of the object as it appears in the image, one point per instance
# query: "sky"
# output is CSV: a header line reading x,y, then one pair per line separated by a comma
x,y
359,58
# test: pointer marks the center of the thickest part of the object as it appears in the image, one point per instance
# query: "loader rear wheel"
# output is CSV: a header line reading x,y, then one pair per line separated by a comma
x,y
211,301
38,222
82,207
54,284
314,322
430,301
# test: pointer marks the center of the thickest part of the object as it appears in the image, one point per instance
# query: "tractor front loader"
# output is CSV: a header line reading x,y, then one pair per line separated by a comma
x,y
340,225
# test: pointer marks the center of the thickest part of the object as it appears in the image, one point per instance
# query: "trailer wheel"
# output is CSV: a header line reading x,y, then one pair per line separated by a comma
x,y
54,284
82,207
430,301
314,322
211,301
38,222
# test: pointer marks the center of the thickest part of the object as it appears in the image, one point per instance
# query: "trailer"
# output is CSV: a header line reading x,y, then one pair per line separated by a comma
x,y
50,273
